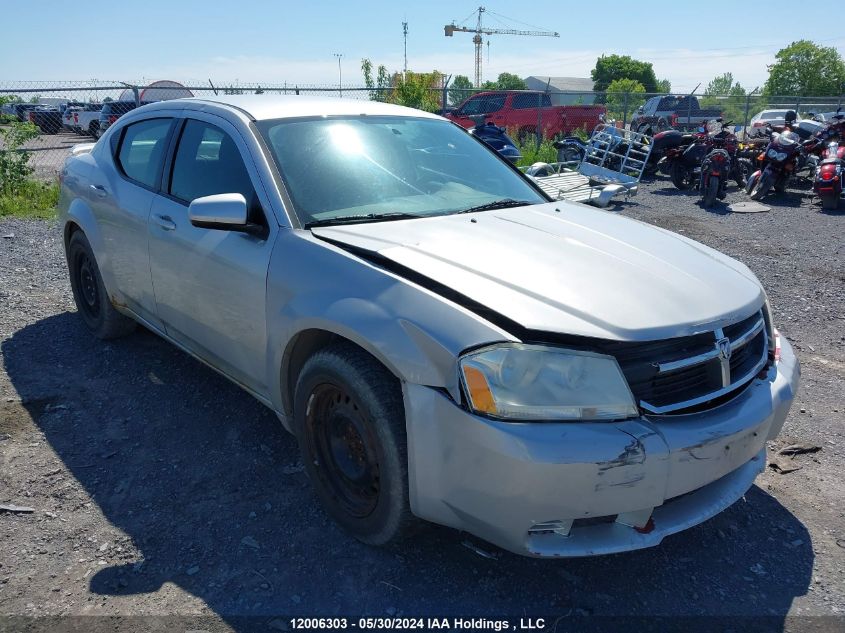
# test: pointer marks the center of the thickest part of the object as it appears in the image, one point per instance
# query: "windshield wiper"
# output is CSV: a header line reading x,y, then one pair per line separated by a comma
x,y
361,219
504,203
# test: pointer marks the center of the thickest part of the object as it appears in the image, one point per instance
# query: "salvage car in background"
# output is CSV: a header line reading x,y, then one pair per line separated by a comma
x,y
444,341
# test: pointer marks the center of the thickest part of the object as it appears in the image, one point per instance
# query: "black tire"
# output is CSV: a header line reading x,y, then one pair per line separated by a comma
x,y
680,176
830,203
763,185
94,129
350,423
781,183
742,170
89,293
711,190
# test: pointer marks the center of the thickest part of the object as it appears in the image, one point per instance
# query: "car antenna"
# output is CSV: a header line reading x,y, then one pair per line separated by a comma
x,y
212,87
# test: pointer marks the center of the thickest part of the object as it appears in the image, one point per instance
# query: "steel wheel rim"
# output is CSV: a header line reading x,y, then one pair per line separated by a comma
x,y
88,287
344,449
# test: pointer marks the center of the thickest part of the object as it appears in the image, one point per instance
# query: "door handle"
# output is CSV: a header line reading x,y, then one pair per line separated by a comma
x,y
165,222
99,190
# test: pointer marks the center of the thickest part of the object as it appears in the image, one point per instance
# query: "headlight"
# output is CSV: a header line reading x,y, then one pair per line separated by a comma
x,y
772,153
532,382
771,331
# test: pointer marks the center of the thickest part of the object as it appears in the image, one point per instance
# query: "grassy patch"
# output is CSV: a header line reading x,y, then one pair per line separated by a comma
x,y
34,199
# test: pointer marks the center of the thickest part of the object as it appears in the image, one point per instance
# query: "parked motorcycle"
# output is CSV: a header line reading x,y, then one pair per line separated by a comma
x,y
828,182
778,163
662,144
684,163
495,137
716,168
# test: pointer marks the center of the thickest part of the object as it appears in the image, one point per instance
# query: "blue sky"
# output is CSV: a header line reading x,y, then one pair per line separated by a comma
x,y
274,42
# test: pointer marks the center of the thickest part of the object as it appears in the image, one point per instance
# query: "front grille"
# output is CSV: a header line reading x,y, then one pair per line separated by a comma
x,y
676,375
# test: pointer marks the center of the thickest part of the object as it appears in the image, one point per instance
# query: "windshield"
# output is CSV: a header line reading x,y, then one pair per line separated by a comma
x,y
388,167
788,138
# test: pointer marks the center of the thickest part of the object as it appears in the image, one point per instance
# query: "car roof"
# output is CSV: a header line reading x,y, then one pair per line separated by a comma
x,y
265,106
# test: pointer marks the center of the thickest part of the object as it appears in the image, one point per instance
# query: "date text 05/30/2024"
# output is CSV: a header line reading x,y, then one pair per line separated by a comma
x,y
408,624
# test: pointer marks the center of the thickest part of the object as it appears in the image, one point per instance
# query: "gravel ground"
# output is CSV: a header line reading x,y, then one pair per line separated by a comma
x,y
161,489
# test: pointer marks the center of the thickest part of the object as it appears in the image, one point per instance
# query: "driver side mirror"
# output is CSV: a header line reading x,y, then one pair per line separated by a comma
x,y
223,211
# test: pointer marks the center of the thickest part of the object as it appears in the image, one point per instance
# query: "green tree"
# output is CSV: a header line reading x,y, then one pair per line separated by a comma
x,y
727,95
509,81
611,67
461,88
806,69
664,85
624,96
724,85
415,90
379,87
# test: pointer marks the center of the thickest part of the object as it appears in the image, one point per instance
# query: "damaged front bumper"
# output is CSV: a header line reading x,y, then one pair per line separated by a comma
x,y
582,489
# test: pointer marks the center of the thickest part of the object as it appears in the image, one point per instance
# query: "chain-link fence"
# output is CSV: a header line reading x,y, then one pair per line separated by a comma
x,y
68,113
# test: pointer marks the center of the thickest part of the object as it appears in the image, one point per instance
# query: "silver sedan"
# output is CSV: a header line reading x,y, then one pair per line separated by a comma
x,y
444,341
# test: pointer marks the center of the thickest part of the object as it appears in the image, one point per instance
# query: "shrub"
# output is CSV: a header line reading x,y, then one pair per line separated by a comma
x,y
14,163
33,199
531,154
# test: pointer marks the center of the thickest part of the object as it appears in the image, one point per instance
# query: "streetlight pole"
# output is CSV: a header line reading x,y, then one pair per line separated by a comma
x,y
339,74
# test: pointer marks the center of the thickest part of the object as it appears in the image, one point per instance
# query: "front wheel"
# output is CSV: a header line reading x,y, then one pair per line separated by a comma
x,y
349,420
762,186
710,191
89,293
680,176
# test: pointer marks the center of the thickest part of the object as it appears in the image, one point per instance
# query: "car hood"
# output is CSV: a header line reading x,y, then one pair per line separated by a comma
x,y
568,268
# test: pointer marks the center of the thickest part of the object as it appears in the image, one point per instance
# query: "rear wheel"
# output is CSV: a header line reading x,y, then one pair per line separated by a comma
x,y
569,154
90,294
680,176
350,423
711,190
830,203
762,186
94,129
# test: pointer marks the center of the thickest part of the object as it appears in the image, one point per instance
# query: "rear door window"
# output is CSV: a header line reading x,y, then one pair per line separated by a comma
x,y
483,104
523,101
141,150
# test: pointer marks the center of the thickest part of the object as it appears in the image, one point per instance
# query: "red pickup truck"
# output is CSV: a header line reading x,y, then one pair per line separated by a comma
x,y
517,110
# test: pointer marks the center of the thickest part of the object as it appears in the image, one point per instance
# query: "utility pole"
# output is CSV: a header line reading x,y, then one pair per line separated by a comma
x,y
405,35
339,74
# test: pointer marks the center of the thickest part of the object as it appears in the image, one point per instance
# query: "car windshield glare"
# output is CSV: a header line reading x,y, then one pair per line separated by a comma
x,y
372,166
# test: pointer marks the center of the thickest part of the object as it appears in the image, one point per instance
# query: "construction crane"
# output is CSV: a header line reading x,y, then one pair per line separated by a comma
x,y
480,30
